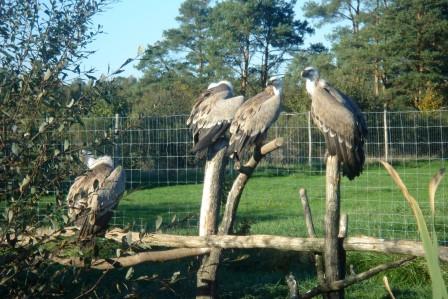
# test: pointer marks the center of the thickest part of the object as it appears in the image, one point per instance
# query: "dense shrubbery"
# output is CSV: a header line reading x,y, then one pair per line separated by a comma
x,y
43,43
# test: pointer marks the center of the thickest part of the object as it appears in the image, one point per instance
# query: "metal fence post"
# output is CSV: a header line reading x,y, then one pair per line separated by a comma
x,y
310,146
116,157
386,135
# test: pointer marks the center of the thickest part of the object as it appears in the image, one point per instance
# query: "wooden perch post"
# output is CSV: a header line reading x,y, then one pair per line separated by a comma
x,y
213,178
206,288
213,181
333,249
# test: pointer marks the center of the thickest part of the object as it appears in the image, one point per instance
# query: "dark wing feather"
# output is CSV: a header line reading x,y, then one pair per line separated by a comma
x,y
252,120
211,116
343,126
207,136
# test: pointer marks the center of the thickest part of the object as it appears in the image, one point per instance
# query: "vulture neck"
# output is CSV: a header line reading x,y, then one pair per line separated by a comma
x,y
311,85
277,91
92,162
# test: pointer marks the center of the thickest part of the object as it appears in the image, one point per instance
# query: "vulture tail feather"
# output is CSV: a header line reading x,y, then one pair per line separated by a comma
x,y
87,229
353,166
352,159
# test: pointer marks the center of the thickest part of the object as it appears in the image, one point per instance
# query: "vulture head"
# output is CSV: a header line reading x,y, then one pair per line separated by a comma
x,y
311,74
225,83
277,83
91,162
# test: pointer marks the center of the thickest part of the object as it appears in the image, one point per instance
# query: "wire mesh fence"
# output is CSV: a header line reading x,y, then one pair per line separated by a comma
x,y
155,151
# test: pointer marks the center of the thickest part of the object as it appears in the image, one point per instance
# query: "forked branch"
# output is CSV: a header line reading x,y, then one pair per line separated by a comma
x,y
341,284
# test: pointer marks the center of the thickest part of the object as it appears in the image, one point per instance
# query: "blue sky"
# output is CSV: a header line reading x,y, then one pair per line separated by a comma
x,y
129,24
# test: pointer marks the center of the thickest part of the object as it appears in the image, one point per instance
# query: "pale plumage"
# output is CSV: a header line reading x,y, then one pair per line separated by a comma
x,y
340,120
253,119
211,115
93,196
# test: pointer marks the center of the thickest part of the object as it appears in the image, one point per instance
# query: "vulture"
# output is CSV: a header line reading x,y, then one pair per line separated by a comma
x,y
341,122
253,119
94,195
211,115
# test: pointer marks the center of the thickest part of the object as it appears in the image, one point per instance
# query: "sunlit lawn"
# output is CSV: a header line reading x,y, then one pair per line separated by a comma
x,y
270,205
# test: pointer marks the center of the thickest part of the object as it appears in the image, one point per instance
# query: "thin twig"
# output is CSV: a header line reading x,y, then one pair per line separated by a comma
x,y
312,234
387,286
94,286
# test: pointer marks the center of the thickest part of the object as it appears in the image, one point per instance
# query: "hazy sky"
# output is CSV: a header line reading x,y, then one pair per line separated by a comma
x,y
129,24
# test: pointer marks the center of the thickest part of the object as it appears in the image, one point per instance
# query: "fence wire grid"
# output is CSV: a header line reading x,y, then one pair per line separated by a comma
x,y
155,151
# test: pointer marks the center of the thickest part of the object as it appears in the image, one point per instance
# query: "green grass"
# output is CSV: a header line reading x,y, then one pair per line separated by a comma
x,y
270,205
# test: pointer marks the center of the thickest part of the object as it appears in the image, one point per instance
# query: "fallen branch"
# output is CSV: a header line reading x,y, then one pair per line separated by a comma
x,y
129,261
278,242
362,243
341,284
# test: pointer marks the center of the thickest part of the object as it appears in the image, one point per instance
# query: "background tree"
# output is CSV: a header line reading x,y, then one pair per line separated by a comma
x,y
277,33
415,52
386,52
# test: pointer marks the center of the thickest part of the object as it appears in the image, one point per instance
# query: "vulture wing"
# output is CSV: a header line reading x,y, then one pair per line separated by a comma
x,y
252,120
343,126
211,116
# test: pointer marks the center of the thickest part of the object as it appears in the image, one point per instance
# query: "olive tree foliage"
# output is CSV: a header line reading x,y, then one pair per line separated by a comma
x,y
43,44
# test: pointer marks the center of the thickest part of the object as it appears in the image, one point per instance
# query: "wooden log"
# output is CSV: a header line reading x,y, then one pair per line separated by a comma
x,y
333,247
312,234
213,181
139,258
213,178
361,243
208,289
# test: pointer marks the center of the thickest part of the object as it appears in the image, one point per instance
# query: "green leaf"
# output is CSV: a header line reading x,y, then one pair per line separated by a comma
x,y
42,127
15,149
25,182
159,221
10,215
129,60
70,105
129,273
66,144
47,75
